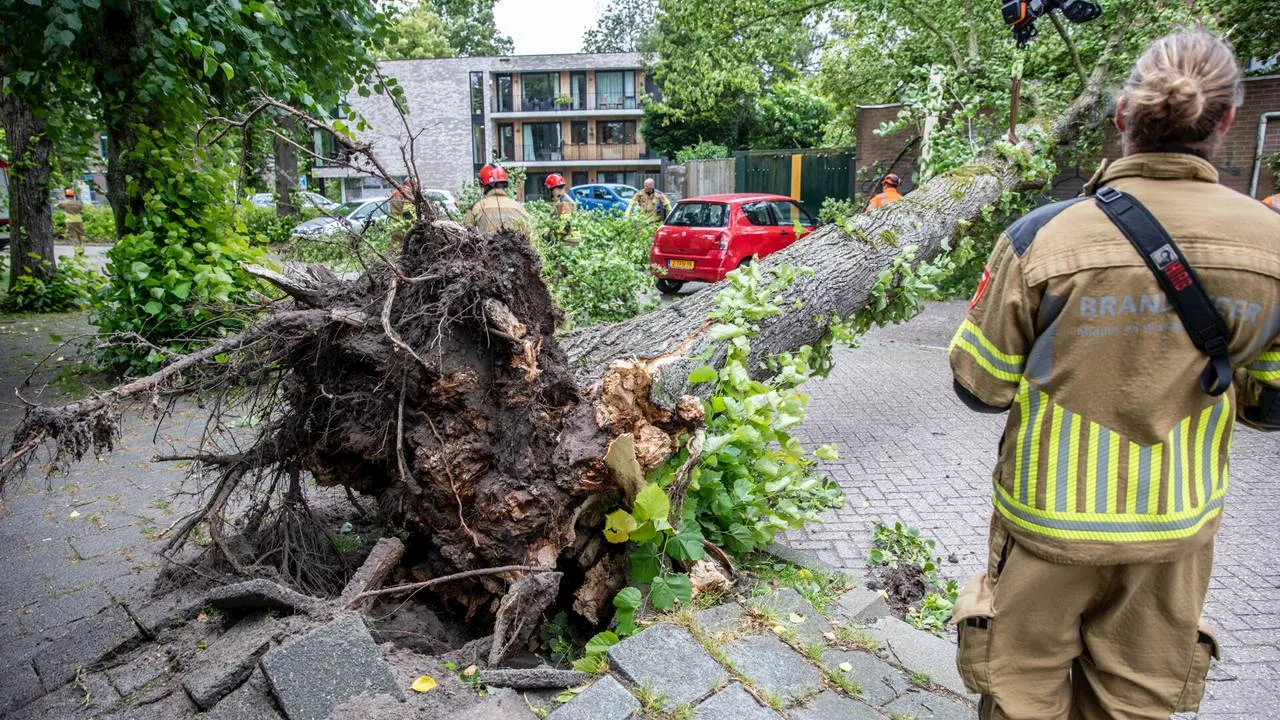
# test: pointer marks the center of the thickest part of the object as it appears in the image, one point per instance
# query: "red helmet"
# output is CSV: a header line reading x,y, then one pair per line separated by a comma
x,y
892,180
490,174
554,180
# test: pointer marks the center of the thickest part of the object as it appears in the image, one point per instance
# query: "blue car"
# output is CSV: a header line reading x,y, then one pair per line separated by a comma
x,y
602,196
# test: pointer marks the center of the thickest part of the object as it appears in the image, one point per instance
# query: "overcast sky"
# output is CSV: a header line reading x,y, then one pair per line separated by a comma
x,y
546,26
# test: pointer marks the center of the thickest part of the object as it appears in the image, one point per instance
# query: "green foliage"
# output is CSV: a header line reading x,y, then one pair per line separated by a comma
x,y
71,287
604,277
176,279
624,26
902,545
790,115
821,589
264,226
470,27
417,33
99,225
752,478
346,251
702,150
837,210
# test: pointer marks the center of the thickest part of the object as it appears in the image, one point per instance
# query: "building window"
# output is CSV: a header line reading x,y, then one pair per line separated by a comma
x,y
578,90
542,142
477,145
616,132
507,142
539,90
477,94
504,98
535,186
579,177
616,90
578,133
620,177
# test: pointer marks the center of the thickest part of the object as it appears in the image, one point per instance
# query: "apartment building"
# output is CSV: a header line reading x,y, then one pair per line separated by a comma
x,y
575,114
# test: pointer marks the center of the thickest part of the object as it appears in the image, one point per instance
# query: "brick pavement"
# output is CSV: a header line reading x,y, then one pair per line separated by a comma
x,y
911,451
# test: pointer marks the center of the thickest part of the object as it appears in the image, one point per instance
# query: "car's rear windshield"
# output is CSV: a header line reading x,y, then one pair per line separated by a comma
x,y
624,192
699,214
346,209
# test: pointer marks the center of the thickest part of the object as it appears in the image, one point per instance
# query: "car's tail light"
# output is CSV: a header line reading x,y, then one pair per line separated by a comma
x,y
722,242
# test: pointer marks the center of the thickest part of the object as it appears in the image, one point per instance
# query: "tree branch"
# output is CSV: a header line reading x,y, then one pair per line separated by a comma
x,y
956,56
1071,48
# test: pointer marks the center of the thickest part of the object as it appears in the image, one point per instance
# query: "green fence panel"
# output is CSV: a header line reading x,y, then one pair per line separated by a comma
x,y
763,173
826,174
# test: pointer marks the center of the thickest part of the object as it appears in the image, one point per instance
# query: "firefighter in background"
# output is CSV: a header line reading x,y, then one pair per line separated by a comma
x,y
888,193
73,209
1272,202
651,201
562,207
1112,468
496,211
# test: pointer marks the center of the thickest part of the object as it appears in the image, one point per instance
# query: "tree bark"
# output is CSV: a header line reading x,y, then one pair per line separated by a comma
x,y
30,214
286,169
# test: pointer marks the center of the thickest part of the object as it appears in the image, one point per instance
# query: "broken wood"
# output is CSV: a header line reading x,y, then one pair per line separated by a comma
x,y
384,558
540,678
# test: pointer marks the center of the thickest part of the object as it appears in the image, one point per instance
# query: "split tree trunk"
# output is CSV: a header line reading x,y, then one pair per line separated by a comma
x,y
286,169
30,215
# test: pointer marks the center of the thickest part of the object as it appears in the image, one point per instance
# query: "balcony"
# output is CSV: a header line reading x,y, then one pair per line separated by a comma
x,y
591,103
555,153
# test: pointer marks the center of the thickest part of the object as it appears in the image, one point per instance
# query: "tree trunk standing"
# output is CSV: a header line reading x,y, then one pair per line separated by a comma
x,y
286,169
30,213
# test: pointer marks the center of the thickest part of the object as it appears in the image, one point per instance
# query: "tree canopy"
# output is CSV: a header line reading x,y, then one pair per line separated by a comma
x,y
470,28
417,33
624,26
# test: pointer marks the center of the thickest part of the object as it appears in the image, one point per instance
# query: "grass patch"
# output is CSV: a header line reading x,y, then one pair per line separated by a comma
x,y
821,589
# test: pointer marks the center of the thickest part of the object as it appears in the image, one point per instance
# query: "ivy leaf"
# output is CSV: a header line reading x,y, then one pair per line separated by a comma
x,y
618,526
645,564
178,26
706,373
153,308
668,589
652,504
625,603
601,642
228,70
687,544
210,67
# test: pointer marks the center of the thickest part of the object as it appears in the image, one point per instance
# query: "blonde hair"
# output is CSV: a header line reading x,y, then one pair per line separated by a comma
x,y
1179,90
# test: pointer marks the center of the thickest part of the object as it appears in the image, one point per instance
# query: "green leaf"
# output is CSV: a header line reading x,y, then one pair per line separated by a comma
x,y
706,373
140,269
601,642
625,603
687,544
827,452
670,588
228,70
618,526
178,26
210,67
153,308
652,504
645,564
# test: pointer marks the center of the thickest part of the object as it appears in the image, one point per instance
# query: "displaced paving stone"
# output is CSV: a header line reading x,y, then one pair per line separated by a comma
x,y
258,594
139,672
173,705
920,652
20,687
880,681
606,699
719,618
66,703
733,703
229,661
85,643
506,705
830,706
774,667
250,701
812,628
309,683
668,661
924,705
156,614
860,606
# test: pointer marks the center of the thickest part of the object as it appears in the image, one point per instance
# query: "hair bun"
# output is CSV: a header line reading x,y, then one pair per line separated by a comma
x,y
1179,90
1184,101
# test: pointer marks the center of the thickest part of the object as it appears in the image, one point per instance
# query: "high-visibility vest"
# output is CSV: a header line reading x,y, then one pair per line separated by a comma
x,y
1273,202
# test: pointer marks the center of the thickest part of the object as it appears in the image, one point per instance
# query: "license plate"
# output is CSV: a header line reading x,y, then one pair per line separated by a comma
x,y
680,264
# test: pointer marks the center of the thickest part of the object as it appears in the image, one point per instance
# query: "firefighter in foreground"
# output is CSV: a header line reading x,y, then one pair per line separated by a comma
x,y
888,193
73,209
1112,468
651,201
495,211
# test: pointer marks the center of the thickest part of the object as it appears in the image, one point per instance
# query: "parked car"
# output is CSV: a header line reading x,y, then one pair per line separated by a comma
x,y
4,204
704,238
602,196
444,200
306,198
353,216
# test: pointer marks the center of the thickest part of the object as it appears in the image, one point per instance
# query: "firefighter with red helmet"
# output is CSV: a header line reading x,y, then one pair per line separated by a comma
x,y
561,203
496,211
888,193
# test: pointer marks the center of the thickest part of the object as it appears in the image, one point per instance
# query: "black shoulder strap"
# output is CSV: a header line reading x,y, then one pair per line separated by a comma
x,y
1200,319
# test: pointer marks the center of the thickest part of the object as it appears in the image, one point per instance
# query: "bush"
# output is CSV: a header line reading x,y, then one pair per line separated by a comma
x,y
605,276
703,150
344,251
175,279
262,226
99,225
72,287
837,210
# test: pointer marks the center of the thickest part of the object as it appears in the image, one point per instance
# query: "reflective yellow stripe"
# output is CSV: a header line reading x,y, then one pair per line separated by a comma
x,y
1183,469
1073,463
1024,409
1215,448
990,347
1113,474
1153,479
1132,478
1051,469
1091,469
1103,527
1203,480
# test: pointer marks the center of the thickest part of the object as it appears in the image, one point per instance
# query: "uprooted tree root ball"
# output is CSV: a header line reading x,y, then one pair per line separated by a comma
x,y
433,385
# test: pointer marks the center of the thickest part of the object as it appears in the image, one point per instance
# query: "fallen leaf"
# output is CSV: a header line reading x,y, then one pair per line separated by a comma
x,y
471,670
426,683
202,617
779,629
74,514
830,636
796,618
846,667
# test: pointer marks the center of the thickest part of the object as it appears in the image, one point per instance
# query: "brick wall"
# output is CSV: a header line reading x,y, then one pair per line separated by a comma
x,y
1235,161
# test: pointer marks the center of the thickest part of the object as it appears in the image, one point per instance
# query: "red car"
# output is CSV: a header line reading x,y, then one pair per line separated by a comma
x,y
705,238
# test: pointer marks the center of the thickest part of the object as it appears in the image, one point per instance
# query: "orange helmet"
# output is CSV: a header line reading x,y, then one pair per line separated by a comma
x,y
70,193
554,180
490,174
892,180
